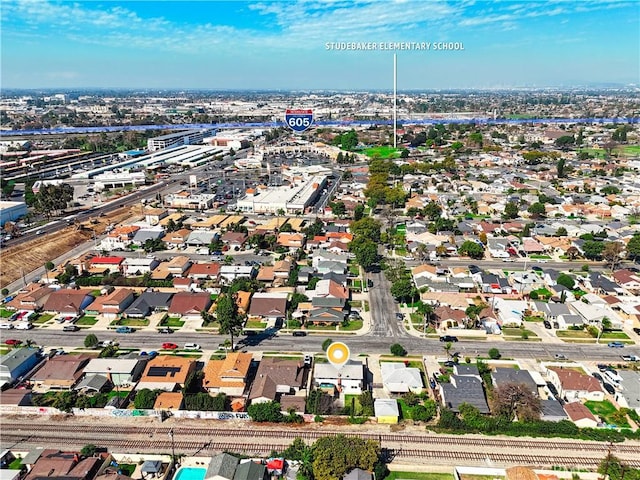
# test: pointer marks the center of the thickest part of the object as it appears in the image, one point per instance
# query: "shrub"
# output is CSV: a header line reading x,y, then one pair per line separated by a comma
x,y
398,350
326,344
494,353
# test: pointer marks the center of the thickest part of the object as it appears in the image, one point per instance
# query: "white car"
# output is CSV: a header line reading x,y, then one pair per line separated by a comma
x,y
24,326
6,326
191,346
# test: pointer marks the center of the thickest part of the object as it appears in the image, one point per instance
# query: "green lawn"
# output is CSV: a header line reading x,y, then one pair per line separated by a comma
x,y
573,334
540,257
517,332
383,151
172,322
133,322
405,410
631,149
16,464
595,152
615,336
354,269
607,412
4,313
353,325
127,468
255,324
355,401
43,318
87,320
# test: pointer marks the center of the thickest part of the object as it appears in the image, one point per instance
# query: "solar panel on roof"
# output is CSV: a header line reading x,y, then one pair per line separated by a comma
x,y
163,371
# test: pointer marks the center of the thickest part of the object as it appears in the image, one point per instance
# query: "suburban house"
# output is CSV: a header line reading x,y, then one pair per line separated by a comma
x,y
147,303
503,375
399,378
266,274
552,411
61,372
179,265
177,239
166,372
268,306
348,379
228,273
573,385
282,268
135,267
463,389
629,395
112,304
31,298
189,306
55,464
228,376
204,271
153,216
551,311
227,467
100,265
291,240
580,415
201,238
119,371
16,363
234,240
145,234
68,302
277,377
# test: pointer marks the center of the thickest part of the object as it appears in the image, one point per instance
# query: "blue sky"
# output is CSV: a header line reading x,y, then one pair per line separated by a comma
x,y
282,44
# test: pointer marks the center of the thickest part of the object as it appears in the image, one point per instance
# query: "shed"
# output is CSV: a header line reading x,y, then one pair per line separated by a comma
x,y
386,410
151,467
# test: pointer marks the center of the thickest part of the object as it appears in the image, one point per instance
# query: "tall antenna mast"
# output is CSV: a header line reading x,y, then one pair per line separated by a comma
x,y
395,102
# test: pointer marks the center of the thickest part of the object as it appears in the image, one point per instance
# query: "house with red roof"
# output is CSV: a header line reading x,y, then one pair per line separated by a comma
x,y
112,304
189,306
204,271
99,265
580,415
573,385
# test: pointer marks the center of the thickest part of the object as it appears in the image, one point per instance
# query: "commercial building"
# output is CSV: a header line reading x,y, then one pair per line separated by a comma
x,y
186,137
11,211
292,199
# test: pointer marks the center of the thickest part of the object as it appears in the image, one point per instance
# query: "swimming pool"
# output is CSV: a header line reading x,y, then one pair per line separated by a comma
x,y
190,473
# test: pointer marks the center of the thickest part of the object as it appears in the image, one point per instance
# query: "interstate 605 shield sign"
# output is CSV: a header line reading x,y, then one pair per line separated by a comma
x,y
298,120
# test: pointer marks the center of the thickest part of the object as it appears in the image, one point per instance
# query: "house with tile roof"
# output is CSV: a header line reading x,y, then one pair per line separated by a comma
x,y
580,415
112,304
169,401
68,302
166,372
189,305
31,298
229,375
574,386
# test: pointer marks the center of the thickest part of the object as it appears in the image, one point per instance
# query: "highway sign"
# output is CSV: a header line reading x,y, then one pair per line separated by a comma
x,y
298,120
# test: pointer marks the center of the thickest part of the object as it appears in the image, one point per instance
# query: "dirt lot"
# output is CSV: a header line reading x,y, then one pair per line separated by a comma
x,y
30,255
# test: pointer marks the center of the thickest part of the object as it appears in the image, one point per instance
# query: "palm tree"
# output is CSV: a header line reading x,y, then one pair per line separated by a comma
x,y
447,348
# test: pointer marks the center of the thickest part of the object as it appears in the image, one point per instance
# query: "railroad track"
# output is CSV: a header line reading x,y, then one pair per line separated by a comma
x,y
432,448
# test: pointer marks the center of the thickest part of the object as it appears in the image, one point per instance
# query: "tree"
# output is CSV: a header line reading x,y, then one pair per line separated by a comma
x,y
511,210
89,450
335,456
471,249
573,253
592,249
424,413
338,208
612,254
398,350
53,198
494,353
228,318
367,227
566,281
366,251
560,167
5,292
432,211
326,344
358,212
402,288
536,209
265,412
509,400
633,247
48,266
561,232
564,142
366,402
145,399
447,348
90,341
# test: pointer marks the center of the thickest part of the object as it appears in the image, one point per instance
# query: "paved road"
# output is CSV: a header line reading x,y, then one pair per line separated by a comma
x,y
383,309
358,344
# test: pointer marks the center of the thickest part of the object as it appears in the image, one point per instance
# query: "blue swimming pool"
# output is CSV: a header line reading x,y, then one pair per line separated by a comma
x,y
190,473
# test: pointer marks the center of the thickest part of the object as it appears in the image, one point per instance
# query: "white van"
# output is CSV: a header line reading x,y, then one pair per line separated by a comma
x,y
612,376
24,326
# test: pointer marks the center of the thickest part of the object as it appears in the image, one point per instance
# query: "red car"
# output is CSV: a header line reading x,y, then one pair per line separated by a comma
x,y
169,346
13,341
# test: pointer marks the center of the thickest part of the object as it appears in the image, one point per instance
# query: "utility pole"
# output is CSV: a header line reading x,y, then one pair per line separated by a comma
x,y
173,446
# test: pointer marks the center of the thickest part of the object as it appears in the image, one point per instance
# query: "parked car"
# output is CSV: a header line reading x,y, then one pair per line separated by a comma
x,y
597,376
560,356
308,359
547,324
615,345
70,328
107,343
191,346
124,330
630,358
6,326
169,346
166,330
13,342
636,330
536,268
609,388
448,338
299,333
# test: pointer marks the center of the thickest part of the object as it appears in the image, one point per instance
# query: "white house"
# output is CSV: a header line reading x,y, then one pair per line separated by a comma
x,y
348,379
